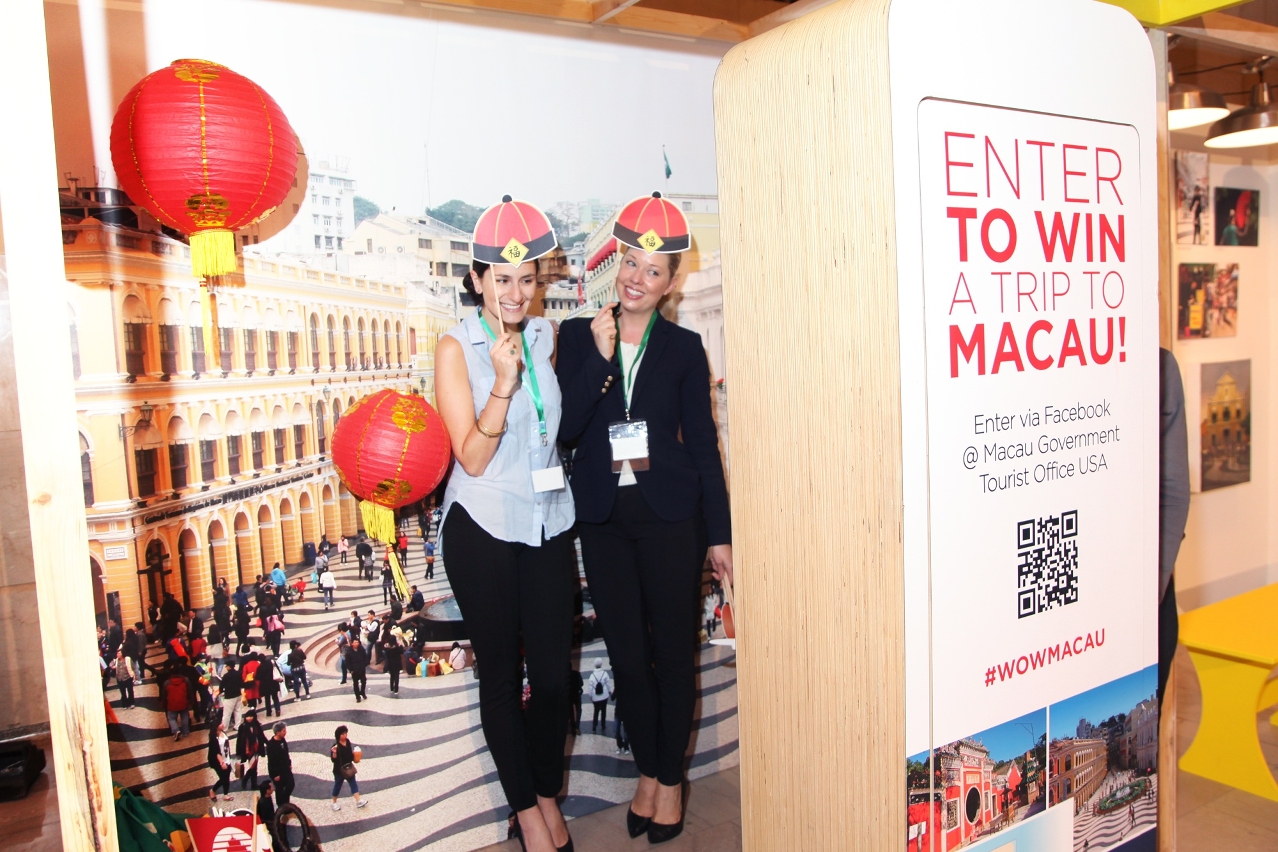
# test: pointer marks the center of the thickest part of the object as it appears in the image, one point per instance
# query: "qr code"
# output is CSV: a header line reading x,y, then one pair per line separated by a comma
x,y
1047,563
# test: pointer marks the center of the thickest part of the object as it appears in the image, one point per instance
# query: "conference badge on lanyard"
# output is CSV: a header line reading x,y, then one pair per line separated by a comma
x,y
629,439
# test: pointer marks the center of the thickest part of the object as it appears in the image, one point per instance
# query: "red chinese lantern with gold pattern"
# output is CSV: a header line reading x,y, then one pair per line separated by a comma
x,y
390,449
206,151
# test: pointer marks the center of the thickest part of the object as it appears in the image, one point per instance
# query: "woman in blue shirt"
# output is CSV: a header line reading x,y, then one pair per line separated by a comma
x,y
508,517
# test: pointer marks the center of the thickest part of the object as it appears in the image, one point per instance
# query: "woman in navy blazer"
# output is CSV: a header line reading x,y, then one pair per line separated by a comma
x,y
644,532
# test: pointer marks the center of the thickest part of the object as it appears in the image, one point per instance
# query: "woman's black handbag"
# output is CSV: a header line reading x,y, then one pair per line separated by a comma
x,y
348,770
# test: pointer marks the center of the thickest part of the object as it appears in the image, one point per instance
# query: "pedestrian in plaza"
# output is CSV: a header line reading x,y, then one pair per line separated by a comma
x,y
279,580
576,688
194,625
416,602
242,642
325,545
328,585
623,743
393,653
402,545
297,670
511,557
265,811
430,559
125,676
345,756
271,681
250,743
343,642
711,614
646,532
388,584
343,547
273,632
600,688
363,551
114,638
357,665
219,759
178,698
279,765
457,657
137,650
396,607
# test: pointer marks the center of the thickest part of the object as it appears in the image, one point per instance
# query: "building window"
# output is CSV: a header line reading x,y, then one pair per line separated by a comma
x,y
135,348
369,249
227,341
292,350
328,221
317,241
75,352
299,442
332,344
233,454
339,225
328,242
339,239
459,246
423,243
177,465
144,460
363,361
168,349
320,437
346,345
460,270
441,269
86,473
208,458
250,350
687,207
399,354
376,360
314,198
315,347
258,441
280,440
315,219
272,344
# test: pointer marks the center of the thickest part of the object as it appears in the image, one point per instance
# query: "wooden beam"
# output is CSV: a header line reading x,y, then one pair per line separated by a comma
x,y
565,10
605,9
680,24
1230,31
50,443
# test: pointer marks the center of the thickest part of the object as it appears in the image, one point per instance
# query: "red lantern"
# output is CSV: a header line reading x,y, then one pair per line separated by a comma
x,y
391,449
206,152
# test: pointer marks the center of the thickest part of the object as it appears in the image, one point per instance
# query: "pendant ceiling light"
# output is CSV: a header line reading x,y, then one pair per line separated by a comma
x,y
1190,105
1254,124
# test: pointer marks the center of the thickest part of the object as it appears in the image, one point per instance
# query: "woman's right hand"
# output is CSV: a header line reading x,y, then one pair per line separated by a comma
x,y
506,363
604,329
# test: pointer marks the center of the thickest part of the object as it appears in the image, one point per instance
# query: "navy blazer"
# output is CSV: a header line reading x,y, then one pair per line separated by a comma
x,y
672,393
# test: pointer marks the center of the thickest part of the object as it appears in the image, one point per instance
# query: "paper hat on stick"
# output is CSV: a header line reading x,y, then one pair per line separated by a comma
x,y
512,232
653,224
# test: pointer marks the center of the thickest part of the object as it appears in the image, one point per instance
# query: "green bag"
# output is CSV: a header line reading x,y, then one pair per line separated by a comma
x,y
146,827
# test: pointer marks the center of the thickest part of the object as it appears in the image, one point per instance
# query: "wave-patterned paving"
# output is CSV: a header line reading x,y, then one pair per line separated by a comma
x,y
426,769
1097,832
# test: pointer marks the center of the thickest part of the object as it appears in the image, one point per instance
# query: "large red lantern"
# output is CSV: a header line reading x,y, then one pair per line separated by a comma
x,y
206,151
390,449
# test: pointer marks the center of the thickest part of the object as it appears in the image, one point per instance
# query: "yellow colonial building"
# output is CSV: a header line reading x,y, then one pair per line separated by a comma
x,y
200,465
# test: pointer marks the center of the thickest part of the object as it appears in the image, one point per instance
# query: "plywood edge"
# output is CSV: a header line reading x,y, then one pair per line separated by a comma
x,y
803,127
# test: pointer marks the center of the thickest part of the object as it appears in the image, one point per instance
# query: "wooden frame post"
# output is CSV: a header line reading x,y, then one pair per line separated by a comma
x,y
46,404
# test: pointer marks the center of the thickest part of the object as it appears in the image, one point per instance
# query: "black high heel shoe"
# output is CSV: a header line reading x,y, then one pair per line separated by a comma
x,y
636,824
515,831
659,832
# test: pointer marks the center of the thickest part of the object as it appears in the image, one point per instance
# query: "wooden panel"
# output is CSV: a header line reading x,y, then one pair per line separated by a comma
x,y
803,129
50,445
677,23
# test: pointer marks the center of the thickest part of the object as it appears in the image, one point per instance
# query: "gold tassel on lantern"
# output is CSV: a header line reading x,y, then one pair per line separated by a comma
x,y
397,571
212,252
379,522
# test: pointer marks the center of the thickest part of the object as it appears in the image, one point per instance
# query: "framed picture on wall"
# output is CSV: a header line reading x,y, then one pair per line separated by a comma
x,y
1191,315
1225,424
1221,315
1193,199
1237,216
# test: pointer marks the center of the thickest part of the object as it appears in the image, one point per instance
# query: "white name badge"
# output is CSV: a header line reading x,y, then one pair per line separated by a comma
x,y
629,440
548,479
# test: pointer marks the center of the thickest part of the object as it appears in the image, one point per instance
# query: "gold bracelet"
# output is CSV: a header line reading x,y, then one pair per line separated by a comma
x,y
488,434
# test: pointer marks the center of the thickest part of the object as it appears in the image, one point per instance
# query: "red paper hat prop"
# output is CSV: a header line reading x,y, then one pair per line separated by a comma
x,y
653,224
206,151
512,232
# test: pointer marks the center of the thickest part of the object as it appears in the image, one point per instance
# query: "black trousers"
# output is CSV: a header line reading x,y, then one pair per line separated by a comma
x,y
645,577
284,789
1168,636
506,590
223,780
394,680
601,715
359,681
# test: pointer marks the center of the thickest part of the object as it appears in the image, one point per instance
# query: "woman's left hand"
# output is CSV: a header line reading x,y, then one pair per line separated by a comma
x,y
720,556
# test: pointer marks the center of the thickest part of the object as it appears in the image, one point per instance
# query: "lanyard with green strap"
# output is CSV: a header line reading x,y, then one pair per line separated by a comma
x,y
534,390
628,376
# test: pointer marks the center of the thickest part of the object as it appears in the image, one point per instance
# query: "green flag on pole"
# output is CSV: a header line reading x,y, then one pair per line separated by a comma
x,y
666,157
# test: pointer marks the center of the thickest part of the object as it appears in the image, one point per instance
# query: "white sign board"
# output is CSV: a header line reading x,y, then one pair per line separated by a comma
x,y
115,552
1026,233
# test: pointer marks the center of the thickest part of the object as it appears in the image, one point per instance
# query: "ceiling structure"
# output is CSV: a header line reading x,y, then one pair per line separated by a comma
x,y
718,20
1213,50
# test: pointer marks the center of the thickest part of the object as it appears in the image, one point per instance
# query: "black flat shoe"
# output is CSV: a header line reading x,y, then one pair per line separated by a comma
x,y
515,831
636,824
567,847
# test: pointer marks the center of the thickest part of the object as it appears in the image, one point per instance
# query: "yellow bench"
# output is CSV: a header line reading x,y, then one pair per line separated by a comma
x,y
1234,646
